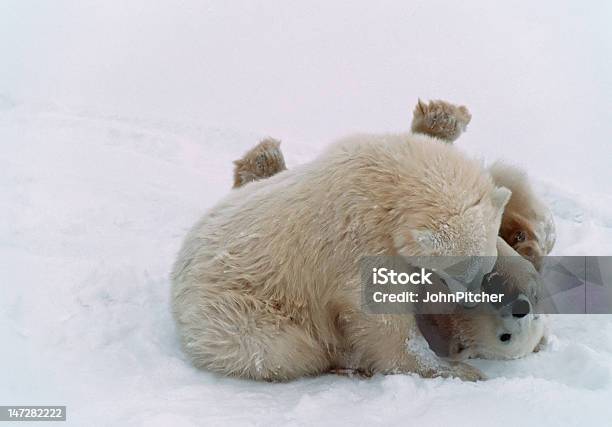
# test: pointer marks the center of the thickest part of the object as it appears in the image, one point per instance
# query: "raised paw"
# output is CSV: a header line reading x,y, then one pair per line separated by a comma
x,y
262,161
440,119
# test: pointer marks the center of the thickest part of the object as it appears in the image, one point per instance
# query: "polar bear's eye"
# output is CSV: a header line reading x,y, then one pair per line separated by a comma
x,y
505,337
520,236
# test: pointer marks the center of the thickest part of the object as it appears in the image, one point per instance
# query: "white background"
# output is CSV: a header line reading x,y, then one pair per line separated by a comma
x,y
537,75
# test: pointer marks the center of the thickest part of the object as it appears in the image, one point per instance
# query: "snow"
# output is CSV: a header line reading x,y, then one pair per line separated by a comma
x,y
118,125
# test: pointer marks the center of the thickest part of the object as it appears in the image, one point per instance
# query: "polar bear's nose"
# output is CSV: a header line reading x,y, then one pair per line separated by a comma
x,y
520,308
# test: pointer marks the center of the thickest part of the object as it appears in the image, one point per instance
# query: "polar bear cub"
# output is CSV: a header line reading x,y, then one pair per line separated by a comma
x,y
267,284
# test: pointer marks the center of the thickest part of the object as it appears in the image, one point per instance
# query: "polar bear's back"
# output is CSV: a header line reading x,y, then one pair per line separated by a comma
x,y
340,203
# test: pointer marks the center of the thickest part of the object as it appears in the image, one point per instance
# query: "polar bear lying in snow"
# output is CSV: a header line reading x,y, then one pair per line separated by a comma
x,y
267,287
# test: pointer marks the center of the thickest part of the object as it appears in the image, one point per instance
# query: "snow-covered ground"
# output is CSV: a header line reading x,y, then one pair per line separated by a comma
x,y
118,125
93,211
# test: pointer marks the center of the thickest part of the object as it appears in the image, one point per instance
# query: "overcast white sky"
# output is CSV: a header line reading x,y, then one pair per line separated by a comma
x,y
536,75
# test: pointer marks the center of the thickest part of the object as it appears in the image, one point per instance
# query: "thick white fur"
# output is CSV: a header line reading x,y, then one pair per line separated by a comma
x,y
266,285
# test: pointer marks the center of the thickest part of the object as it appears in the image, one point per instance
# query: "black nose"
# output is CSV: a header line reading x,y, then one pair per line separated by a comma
x,y
505,337
520,308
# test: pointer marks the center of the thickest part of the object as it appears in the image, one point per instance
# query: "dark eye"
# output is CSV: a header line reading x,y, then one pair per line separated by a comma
x,y
520,236
505,337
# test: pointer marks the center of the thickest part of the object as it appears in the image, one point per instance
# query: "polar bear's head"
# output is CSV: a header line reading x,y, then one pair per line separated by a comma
x,y
470,233
507,329
496,340
484,333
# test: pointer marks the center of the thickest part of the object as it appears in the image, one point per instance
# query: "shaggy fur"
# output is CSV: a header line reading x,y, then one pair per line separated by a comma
x,y
262,161
527,224
463,335
266,285
476,333
440,119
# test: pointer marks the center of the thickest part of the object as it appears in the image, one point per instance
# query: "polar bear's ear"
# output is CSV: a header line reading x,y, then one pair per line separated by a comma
x,y
500,197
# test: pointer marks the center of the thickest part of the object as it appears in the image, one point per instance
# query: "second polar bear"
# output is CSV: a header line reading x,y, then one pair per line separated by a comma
x,y
266,285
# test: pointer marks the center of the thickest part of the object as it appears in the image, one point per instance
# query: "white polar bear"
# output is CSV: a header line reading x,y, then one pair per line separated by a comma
x,y
267,283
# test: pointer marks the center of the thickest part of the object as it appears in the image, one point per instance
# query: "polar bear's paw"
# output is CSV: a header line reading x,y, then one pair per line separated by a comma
x,y
262,161
440,119
461,370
